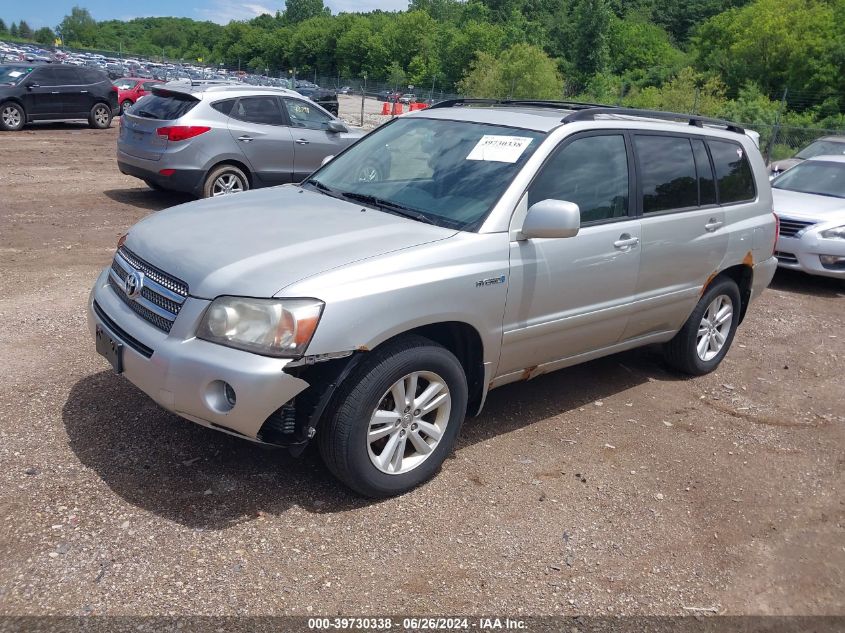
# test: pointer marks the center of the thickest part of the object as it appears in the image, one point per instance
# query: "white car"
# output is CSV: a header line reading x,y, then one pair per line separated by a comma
x,y
809,200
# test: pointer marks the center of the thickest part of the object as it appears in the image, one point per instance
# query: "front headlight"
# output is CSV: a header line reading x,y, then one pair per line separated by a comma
x,y
836,233
271,327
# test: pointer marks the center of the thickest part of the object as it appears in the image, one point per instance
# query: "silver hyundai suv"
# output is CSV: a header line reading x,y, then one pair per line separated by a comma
x,y
503,240
210,139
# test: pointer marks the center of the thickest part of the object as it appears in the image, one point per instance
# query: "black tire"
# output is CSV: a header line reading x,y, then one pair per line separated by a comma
x,y
154,185
682,353
124,105
342,435
12,116
100,116
223,172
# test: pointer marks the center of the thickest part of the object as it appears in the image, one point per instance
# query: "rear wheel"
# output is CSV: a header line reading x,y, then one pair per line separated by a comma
x,y
702,343
100,117
224,180
124,105
12,117
396,418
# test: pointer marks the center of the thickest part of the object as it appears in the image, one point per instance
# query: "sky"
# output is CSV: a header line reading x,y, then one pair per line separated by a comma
x,y
50,12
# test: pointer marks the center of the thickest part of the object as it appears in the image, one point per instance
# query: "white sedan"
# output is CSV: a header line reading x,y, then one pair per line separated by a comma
x,y
809,200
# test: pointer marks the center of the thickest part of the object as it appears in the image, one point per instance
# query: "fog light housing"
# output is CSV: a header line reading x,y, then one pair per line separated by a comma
x,y
832,262
220,396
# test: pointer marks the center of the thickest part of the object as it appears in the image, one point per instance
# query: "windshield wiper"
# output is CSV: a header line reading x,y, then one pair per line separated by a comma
x,y
322,187
387,205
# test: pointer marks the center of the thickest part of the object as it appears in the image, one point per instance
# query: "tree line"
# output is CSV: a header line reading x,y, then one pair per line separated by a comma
x,y
718,57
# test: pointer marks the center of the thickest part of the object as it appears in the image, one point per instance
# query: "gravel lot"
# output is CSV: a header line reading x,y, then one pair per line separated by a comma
x,y
609,488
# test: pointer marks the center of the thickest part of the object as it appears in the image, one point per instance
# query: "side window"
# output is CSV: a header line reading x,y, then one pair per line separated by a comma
x,y
44,76
304,114
225,106
263,110
667,175
67,76
592,172
706,184
734,178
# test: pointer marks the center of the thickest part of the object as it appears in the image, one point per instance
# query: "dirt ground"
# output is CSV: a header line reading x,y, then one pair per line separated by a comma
x,y
610,488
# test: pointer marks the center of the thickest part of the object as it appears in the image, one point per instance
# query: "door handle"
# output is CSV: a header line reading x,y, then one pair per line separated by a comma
x,y
54,92
245,139
302,141
85,92
712,225
626,242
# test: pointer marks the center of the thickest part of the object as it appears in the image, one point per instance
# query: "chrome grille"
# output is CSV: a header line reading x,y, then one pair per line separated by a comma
x,y
790,228
161,295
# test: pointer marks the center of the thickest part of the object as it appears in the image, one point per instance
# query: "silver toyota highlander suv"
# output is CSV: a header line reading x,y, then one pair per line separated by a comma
x,y
210,139
504,240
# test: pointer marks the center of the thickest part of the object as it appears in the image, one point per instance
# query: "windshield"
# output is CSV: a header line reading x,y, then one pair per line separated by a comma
x,y
13,74
820,178
448,173
124,84
822,148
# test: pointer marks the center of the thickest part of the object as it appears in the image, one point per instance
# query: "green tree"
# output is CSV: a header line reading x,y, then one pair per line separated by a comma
x,y
24,30
13,30
521,72
3,28
44,35
79,27
297,11
591,23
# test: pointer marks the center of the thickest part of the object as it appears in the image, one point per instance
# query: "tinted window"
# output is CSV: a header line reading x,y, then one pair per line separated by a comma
x,y
44,76
592,172
67,76
165,106
706,184
13,74
303,114
262,110
224,106
734,179
668,175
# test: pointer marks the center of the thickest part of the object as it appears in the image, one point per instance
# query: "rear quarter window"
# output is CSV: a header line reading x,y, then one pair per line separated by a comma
x,y
734,178
225,106
165,106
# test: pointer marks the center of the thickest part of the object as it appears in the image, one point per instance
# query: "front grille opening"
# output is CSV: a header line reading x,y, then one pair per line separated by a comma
x,y
786,258
790,228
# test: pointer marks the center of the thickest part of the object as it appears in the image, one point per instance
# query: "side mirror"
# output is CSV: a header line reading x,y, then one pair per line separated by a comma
x,y
336,127
552,218
326,159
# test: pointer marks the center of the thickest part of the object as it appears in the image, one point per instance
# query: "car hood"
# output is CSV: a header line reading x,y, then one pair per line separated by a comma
x,y
258,242
779,166
808,206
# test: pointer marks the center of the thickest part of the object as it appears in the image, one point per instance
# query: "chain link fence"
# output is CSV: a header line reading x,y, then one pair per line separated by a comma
x,y
778,142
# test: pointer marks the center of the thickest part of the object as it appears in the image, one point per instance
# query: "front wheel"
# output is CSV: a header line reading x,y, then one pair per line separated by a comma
x,y
100,117
396,418
124,106
12,117
705,338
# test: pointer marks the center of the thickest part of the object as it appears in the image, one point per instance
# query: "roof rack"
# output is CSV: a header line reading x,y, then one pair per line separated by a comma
x,y
590,114
533,103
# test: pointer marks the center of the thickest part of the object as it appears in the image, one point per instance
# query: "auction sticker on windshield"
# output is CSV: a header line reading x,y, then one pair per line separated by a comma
x,y
500,149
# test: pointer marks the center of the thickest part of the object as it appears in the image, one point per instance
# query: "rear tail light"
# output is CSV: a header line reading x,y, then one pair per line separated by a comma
x,y
167,172
181,132
777,232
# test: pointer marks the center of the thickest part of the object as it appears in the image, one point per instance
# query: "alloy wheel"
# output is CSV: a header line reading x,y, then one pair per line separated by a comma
x,y
225,184
11,116
409,422
101,116
714,328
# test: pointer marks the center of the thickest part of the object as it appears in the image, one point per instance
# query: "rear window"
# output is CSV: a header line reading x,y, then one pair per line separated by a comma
x,y
165,106
734,179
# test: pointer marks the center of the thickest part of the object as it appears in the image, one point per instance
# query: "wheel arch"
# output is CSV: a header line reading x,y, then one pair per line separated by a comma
x,y
18,103
234,162
743,276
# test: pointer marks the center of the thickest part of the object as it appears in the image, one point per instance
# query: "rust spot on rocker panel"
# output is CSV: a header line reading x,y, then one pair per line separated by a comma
x,y
531,372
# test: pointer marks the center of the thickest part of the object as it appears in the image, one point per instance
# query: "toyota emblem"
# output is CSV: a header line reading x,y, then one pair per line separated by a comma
x,y
133,284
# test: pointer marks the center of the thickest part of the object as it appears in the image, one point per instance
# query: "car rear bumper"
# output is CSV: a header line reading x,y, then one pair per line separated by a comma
x,y
182,373
763,273
187,180
811,253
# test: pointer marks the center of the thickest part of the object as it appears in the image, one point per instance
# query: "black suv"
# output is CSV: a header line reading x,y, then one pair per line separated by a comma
x,y
55,92
321,96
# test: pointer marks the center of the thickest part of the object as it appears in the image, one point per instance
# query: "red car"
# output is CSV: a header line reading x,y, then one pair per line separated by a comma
x,y
130,89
